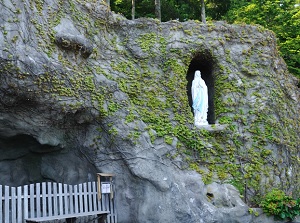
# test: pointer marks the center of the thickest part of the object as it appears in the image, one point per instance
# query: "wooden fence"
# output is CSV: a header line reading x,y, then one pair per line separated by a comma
x,y
49,199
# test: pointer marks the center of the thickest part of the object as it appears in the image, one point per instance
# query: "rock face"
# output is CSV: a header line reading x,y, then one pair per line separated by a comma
x,y
83,90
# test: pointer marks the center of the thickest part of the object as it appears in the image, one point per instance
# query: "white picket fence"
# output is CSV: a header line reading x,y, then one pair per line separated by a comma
x,y
49,199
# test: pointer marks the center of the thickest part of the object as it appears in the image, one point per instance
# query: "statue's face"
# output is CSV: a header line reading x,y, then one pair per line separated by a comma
x,y
197,74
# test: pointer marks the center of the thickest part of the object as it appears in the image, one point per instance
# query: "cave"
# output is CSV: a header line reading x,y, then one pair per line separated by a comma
x,y
203,62
24,161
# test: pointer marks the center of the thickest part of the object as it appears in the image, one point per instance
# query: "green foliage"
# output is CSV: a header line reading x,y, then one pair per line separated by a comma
x,y
147,41
282,17
168,139
170,10
251,211
217,8
239,184
280,205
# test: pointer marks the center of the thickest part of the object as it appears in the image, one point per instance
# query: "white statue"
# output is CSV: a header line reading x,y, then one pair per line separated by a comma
x,y
200,100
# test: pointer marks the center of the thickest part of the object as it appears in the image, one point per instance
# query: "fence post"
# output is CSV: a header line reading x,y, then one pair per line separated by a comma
x,y
38,200
71,199
85,202
25,201
66,199
6,205
80,198
50,209
20,206
44,198
55,203
13,205
94,196
89,191
76,198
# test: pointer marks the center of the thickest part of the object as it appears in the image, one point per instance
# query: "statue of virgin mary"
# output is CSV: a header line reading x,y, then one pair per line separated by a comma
x,y
200,100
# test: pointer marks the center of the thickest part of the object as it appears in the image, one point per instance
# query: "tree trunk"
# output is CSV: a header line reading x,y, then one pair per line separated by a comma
x,y
158,9
203,19
133,9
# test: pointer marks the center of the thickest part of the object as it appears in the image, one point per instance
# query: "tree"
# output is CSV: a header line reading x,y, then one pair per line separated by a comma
x,y
203,18
158,9
123,7
280,16
181,10
216,9
133,9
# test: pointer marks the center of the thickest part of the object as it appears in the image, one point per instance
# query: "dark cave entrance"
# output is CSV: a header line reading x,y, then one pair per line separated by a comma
x,y
24,160
204,63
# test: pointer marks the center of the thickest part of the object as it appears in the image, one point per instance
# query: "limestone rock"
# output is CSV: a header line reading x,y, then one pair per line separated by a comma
x,y
124,107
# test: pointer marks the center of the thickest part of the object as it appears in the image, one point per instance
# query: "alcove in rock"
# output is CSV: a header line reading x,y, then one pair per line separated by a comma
x,y
204,63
